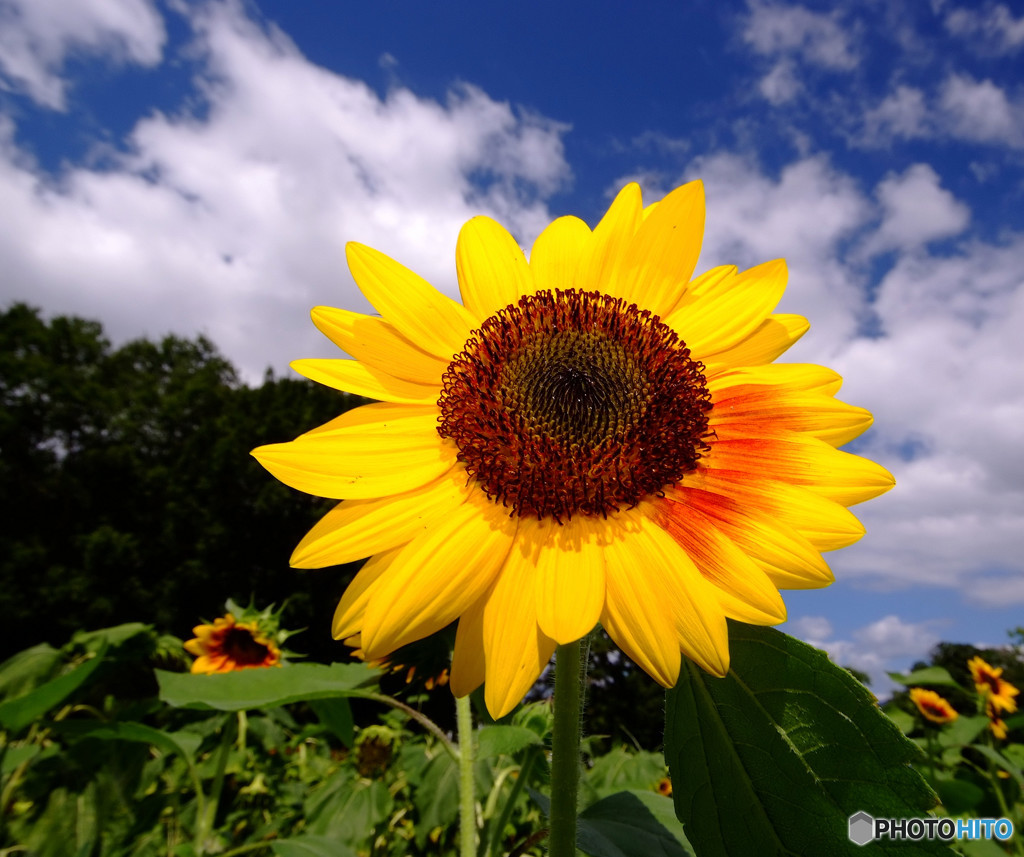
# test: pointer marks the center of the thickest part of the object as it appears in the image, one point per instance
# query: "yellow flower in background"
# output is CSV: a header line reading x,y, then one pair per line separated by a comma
x,y
590,436
228,645
995,722
932,706
990,684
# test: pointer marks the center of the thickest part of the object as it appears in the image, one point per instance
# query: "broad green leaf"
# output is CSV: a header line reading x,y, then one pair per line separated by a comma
x,y
437,798
336,715
184,743
981,848
348,809
258,688
504,740
620,770
775,757
901,718
931,676
310,846
958,796
14,756
632,824
962,731
1001,762
16,714
28,669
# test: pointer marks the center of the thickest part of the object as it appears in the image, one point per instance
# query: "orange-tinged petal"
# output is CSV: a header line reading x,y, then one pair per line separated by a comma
x,y
492,270
421,313
376,343
806,377
744,590
759,411
438,575
603,256
569,579
515,649
556,254
352,376
806,461
662,254
358,528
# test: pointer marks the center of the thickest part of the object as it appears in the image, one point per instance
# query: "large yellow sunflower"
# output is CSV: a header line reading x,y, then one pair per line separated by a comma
x,y
590,436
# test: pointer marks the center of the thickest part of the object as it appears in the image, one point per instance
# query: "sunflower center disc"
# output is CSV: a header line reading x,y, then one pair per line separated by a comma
x,y
572,402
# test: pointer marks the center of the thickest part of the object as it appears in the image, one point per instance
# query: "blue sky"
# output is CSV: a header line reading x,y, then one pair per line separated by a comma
x,y
198,167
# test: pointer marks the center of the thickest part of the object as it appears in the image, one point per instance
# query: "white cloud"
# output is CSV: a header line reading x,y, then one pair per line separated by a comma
x,y
781,84
37,36
980,111
886,645
236,217
915,210
902,114
777,29
993,29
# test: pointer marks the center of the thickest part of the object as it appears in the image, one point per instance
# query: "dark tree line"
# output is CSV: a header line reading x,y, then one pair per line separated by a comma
x,y
127,492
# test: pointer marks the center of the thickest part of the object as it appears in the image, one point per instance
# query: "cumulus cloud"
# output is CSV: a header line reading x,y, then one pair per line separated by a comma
x,y
915,211
235,216
776,29
37,36
992,29
980,111
902,115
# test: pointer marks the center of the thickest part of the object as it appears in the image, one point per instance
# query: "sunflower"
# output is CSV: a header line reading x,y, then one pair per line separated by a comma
x,y
589,437
228,645
989,681
995,722
932,706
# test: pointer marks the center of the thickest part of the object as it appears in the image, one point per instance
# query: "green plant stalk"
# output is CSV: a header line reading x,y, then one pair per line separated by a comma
x,y
570,673
510,804
209,813
467,798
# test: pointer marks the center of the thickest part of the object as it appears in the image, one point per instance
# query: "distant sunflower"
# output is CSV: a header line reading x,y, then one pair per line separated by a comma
x,y
228,645
995,722
932,706
590,436
992,686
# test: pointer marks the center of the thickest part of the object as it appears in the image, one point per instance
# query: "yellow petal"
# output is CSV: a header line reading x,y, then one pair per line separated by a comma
x,y
602,259
744,590
569,576
388,460
756,411
468,666
722,317
376,343
493,272
354,377
515,649
358,528
375,414
555,257
806,461
799,376
768,342
438,575
663,253
420,312
348,616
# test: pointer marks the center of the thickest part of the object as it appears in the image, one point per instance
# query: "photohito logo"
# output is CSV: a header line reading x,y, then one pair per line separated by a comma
x,y
864,828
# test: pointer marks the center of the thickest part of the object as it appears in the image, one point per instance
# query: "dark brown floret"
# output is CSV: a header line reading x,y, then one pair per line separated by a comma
x,y
574,402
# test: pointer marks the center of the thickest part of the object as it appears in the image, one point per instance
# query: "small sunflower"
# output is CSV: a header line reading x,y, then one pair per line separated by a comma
x,y
995,722
228,645
590,436
992,686
932,706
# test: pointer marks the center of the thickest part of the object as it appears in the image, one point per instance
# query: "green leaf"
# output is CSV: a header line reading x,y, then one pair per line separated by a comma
x,y
958,796
932,676
775,757
27,669
1002,762
268,687
962,731
437,798
184,743
16,755
632,824
16,714
310,846
504,740
336,715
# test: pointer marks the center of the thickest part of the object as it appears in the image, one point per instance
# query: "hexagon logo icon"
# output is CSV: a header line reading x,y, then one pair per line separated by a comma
x,y
862,828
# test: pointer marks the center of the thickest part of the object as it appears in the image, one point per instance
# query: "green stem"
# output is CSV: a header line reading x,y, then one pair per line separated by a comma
x,y
570,674
467,799
498,826
422,719
209,813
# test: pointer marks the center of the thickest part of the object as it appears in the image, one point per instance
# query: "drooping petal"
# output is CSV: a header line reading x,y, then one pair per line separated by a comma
x,y
374,342
570,575
420,312
358,528
438,575
555,257
352,376
492,270
772,338
662,254
744,590
515,649
376,462
724,316
603,256
469,668
351,609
